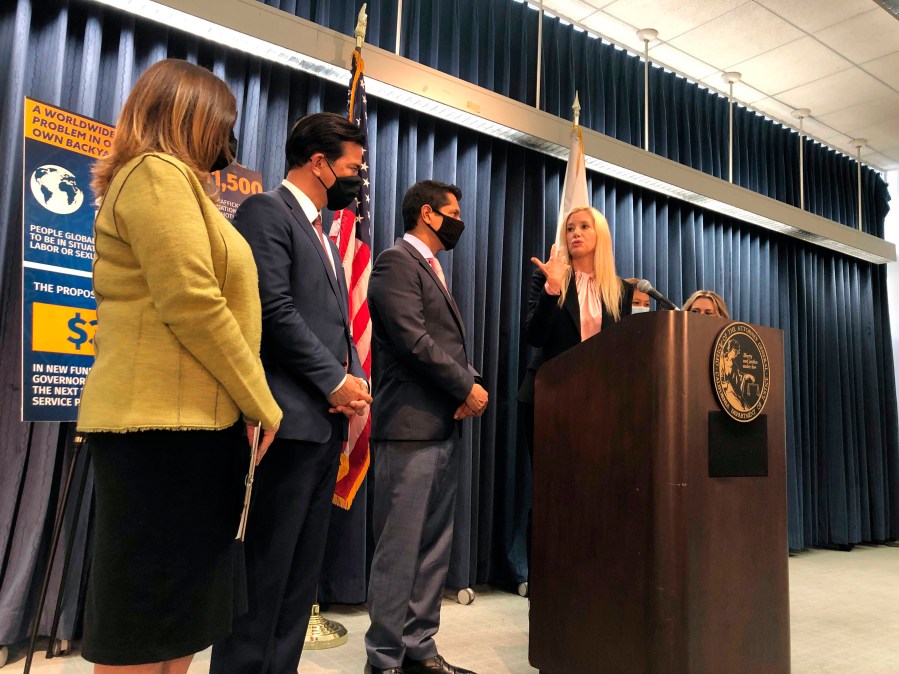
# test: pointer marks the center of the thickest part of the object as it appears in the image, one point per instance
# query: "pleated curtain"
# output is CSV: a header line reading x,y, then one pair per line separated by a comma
x,y
843,454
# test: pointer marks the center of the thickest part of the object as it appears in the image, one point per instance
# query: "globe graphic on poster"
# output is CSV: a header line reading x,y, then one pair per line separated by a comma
x,y
56,189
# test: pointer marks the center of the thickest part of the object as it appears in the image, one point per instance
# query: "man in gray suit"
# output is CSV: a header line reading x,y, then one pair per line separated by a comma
x,y
425,385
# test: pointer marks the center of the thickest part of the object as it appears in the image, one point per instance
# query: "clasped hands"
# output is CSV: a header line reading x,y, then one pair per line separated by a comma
x,y
351,398
474,404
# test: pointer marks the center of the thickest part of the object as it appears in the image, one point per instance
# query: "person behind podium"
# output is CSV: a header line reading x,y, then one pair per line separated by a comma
x,y
177,367
640,300
574,295
707,302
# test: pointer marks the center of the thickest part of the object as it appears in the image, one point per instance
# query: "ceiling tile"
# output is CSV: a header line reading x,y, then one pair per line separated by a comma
x,y
836,92
743,93
614,29
854,119
801,61
864,37
819,130
573,10
866,151
815,15
737,36
886,68
670,17
881,135
883,162
746,94
774,108
677,60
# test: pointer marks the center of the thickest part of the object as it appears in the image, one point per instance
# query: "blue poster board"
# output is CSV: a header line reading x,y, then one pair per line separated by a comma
x,y
59,313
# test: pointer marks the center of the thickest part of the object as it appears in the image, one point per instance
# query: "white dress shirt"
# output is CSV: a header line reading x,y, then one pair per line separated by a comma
x,y
311,213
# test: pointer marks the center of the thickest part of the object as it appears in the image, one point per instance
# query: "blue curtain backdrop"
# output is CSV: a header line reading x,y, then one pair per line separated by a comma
x,y
842,421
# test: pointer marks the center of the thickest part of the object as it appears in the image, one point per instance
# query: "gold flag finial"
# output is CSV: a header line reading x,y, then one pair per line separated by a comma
x,y
576,109
361,27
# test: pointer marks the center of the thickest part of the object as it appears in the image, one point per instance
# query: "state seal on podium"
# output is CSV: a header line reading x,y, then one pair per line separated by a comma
x,y
740,371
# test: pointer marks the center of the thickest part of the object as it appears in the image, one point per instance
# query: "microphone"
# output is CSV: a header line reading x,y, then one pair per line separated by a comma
x,y
645,286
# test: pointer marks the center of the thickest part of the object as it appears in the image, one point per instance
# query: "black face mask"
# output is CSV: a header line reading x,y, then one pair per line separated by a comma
x,y
223,161
450,232
344,190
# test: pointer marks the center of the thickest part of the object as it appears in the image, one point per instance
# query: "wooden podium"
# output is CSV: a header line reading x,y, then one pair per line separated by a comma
x,y
641,561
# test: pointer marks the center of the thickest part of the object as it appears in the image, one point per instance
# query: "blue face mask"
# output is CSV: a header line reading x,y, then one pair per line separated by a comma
x,y
639,310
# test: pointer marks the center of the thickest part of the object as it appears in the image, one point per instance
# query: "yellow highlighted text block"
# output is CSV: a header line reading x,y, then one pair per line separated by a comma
x,y
62,329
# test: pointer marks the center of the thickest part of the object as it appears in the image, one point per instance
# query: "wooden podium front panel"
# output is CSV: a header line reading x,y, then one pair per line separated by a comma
x,y
737,554
593,567
641,562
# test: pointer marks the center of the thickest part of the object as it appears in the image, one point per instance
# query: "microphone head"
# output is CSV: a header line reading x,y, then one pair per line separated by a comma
x,y
644,286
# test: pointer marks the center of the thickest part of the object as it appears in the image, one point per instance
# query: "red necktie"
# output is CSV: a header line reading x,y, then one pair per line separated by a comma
x,y
317,225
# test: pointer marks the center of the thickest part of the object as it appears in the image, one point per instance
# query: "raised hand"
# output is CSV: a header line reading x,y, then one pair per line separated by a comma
x,y
553,269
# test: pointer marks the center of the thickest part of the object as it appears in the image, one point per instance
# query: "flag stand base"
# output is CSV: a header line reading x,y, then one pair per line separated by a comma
x,y
323,633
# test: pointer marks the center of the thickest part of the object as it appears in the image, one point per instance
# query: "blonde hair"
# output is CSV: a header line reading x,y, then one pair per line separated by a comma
x,y
717,300
607,281
177,108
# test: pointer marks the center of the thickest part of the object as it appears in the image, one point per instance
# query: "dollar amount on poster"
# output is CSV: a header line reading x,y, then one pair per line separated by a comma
x,y
62,329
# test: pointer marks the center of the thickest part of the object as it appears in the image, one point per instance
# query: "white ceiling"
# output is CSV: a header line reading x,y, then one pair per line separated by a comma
x,y
839,58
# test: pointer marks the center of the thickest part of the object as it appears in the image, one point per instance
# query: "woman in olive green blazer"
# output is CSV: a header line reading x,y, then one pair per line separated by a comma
x,y
176,369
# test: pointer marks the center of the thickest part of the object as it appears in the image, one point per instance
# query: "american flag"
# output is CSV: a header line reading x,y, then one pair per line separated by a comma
x,y
351,231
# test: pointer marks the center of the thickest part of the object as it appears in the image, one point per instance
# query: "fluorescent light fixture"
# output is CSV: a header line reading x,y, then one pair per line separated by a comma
x,y
175,18
169,16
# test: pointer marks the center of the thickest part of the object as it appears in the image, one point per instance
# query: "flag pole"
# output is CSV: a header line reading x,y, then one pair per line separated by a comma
x,y
574,189
351,231
321,632
361,27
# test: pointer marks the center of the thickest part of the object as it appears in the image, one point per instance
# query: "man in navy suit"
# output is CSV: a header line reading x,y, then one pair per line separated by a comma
x,y
314,372
425,386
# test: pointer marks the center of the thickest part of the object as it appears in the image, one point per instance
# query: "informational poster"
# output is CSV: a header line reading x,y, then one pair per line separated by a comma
x,y
59,313
235,183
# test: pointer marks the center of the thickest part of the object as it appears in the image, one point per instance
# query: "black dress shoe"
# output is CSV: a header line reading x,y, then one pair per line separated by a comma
x,y
435,665
371,669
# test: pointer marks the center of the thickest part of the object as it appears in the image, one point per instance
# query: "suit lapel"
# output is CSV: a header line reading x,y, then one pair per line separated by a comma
x,y
343,293
430,270
316,243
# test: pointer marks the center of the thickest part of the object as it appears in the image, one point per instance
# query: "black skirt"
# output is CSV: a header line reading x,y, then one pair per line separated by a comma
x,y
166,577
